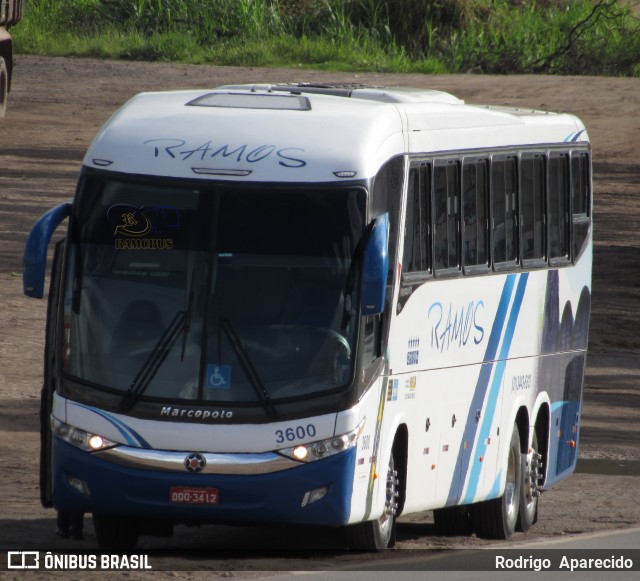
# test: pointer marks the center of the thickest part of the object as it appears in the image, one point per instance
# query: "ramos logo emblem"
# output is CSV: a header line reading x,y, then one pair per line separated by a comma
x,y
145,228
129,220
195,462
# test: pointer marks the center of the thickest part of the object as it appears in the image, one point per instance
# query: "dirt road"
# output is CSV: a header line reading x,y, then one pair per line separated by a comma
x,y
55,109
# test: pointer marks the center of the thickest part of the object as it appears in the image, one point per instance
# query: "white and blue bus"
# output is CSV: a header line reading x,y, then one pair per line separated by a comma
x,y
316,304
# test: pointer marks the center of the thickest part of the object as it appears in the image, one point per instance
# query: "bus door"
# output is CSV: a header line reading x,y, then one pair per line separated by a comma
x,y
48,385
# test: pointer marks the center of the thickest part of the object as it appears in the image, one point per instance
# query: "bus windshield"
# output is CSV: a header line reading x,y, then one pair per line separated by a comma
x,y
216,293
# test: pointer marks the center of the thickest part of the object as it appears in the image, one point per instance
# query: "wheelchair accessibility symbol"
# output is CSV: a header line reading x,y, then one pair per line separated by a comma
x,y
218,376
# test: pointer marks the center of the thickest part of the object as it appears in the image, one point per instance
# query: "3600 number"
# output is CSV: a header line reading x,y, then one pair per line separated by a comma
x,y
295,433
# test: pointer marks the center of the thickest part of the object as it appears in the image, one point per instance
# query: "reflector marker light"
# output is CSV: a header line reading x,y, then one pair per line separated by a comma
x,y
221,172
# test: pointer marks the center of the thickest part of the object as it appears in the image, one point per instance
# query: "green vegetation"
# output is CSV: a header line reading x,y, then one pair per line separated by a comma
x,y
599,37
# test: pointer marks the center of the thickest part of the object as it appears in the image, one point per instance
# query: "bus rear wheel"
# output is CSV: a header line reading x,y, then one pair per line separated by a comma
x,y
497,518
115,532
379,534
532,471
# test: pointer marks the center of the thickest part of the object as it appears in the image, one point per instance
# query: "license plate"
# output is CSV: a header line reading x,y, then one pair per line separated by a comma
x,y
194,495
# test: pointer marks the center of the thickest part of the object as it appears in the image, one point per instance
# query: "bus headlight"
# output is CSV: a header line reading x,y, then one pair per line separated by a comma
x,y
324,448
79,438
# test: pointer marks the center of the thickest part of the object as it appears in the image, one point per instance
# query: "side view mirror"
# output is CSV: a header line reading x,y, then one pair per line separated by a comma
x,y
35,249
375,267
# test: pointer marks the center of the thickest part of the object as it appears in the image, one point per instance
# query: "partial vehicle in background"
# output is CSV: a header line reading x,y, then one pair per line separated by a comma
x,y
10,14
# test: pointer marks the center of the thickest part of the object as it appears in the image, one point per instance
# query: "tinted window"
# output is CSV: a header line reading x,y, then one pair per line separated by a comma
x,y
446,213
580,201
475,200
557,203
532,206
503,192
580,184
417,249
386,196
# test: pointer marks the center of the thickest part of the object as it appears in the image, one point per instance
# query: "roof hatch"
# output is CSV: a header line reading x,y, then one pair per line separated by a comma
x,y
253,101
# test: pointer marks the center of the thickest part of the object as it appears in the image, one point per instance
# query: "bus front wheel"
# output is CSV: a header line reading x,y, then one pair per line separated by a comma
x,y
379,534
497,518
115,532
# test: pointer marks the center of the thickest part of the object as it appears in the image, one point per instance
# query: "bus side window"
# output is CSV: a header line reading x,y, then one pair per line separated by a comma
x,y
558,207
580,201
503,206
446,217
475,213
532,194
371,339
417,246
386,196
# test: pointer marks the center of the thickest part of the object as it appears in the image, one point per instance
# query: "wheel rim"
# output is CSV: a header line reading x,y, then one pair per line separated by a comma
x,y
385,522
510,493
532,478
529,478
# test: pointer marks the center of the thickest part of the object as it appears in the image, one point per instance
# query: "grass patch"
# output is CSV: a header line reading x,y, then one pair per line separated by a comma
x,y
488,36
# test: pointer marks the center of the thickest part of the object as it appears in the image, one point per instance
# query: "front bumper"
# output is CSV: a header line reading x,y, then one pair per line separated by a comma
x,y
273,497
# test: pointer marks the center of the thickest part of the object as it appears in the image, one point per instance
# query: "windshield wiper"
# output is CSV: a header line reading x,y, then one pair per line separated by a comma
x,y
247,367
187,318
180,324
156,358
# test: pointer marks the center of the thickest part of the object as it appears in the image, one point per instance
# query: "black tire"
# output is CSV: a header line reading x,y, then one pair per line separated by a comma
x,y
4,86
453,521
497,518
379,534
531,473
115,533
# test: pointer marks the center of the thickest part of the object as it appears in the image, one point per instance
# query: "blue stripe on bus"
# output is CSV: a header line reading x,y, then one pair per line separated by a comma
x,y
481,387
574,136
495,489
129,434
492,400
